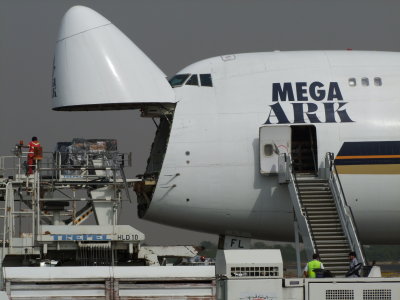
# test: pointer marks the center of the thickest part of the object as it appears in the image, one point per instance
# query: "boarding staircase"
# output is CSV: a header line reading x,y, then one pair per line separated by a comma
x,y
324,219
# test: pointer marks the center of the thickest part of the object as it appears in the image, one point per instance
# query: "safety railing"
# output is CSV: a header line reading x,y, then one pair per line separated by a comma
x,y
68,165
344,210
286,174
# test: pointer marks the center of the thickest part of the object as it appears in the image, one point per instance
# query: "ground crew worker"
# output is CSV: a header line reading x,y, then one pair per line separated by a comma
x,y
34,144
315,263
354,266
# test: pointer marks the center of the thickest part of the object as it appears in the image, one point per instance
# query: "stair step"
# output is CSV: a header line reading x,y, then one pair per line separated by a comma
x,y
319,214
323,251
332,238
312,182
320,207
326,228
335,254
313,211
317,197
301,179
328,234
328,263
307,200
318,234
344,266
316,205
328,225
332,243
312,186
312,194
335,260
307,179
318,223
314,201
315,190
322,230
323,219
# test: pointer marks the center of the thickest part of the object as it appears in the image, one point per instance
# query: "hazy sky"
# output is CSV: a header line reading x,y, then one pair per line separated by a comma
x,y
173,33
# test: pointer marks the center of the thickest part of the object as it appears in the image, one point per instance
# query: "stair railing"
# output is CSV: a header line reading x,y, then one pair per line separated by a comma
x,y
344,210
286,172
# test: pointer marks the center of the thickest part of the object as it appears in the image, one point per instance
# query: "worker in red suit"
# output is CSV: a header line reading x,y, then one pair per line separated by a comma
x,y
34,144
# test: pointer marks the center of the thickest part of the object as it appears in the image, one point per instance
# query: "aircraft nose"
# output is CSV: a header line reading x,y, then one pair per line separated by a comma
x,y
79,19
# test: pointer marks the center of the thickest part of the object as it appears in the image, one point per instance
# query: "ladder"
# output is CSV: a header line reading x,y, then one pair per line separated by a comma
x,y
325,221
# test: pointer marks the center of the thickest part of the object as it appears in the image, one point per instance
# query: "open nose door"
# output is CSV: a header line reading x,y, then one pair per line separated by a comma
x,y
274,140
97,67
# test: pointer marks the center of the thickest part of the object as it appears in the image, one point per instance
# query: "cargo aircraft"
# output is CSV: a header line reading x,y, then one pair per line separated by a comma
x,y
203,172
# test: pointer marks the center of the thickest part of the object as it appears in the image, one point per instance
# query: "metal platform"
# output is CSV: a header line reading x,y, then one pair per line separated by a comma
x,y
66,212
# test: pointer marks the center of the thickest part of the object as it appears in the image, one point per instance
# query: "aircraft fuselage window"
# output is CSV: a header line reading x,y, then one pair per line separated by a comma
x,y
268,149
193,80
352,82
206,80
378,81
365,81
178,80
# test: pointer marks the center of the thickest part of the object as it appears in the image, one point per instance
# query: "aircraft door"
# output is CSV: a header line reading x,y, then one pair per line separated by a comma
x,y
274,140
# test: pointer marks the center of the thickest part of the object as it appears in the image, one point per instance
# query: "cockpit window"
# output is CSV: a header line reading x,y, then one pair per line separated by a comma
x,y
206,80
193,80
178,80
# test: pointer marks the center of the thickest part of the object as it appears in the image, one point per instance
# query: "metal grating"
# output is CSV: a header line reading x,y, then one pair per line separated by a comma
x,y
339,295
377,294
254,271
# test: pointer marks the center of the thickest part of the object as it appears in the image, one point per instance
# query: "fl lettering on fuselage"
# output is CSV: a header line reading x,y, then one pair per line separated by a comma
x,y
205,159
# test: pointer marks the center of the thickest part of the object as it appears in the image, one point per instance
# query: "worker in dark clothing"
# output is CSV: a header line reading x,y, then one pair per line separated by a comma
x,y
354,266
311,266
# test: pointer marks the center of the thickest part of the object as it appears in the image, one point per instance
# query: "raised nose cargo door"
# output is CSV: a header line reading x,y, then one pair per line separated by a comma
x,y
274,140
97,67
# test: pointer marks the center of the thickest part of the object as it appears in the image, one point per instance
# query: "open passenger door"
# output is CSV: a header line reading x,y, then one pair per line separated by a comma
x,y
274,140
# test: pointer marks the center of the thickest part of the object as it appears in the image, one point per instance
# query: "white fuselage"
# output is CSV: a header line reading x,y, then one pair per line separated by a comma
x,y
204,171
214,140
